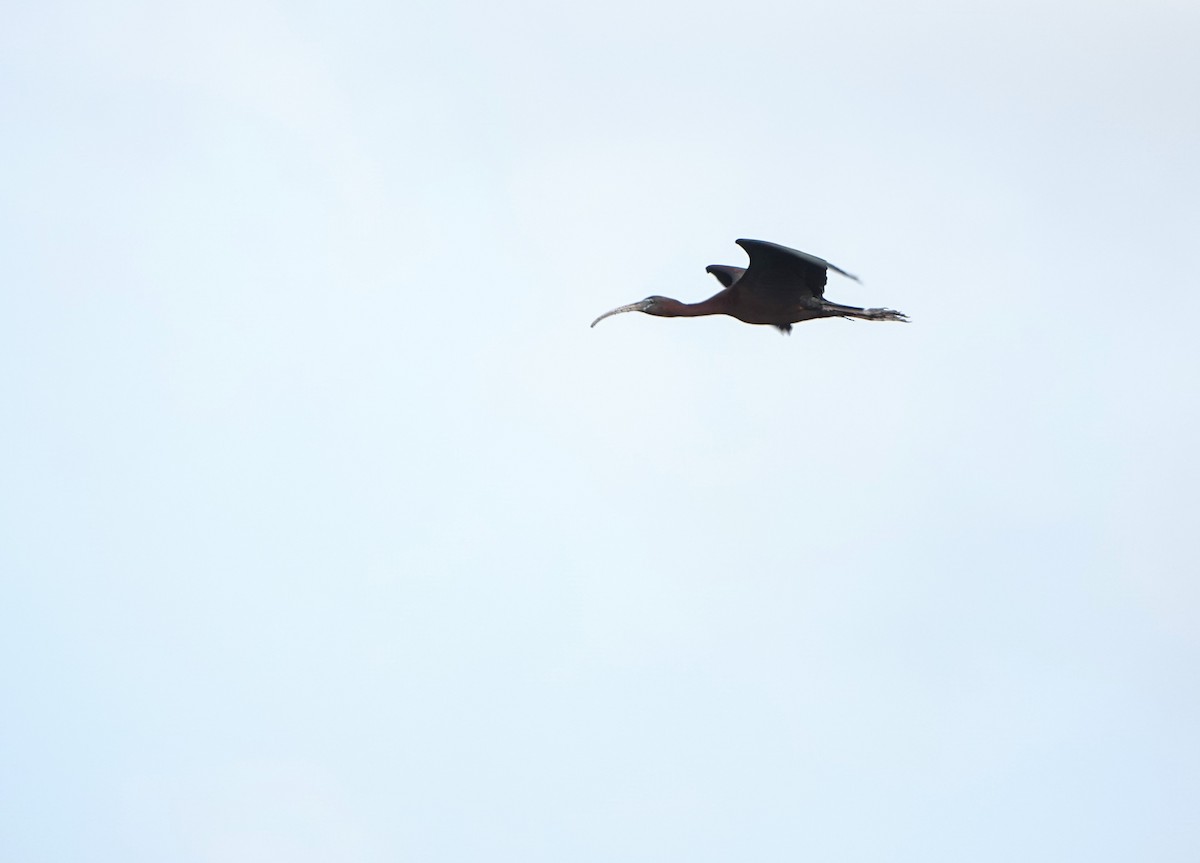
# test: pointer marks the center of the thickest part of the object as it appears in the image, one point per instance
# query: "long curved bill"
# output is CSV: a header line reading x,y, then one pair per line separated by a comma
x,y
639,306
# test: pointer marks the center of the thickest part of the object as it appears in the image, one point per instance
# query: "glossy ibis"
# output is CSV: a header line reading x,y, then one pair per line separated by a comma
x,y
781,287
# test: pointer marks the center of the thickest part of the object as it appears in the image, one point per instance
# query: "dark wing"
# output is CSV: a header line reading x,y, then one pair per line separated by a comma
x,y
775,267
725,274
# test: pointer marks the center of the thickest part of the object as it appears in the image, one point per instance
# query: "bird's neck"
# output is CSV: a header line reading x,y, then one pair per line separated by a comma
x,y
714,305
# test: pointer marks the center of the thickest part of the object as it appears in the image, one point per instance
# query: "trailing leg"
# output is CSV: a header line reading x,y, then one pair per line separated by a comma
x,y
836,310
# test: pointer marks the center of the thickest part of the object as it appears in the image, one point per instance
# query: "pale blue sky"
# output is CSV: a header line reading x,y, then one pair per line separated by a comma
x,y
330,531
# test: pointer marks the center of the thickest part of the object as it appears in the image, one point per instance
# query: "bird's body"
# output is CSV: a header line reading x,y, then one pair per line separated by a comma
x,y
781,287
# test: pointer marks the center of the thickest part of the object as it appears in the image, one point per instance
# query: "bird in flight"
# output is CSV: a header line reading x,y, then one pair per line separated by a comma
x,y
781,287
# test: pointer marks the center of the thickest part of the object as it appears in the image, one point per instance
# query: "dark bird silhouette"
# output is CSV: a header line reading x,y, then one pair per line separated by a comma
x,y
781,287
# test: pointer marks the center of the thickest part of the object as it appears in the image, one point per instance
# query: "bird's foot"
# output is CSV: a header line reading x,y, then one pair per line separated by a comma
x,y
885,315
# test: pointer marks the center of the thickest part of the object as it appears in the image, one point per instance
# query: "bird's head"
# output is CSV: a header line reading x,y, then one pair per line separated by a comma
x,y
650,305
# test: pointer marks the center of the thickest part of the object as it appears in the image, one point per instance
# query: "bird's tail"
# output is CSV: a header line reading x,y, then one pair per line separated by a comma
x,y
836,310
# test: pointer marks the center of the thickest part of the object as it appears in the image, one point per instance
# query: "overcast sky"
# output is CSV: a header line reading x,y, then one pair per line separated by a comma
x,y
330,532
